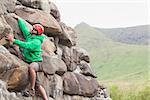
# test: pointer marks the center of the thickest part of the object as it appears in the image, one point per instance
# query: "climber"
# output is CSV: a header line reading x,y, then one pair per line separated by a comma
x,y
31,52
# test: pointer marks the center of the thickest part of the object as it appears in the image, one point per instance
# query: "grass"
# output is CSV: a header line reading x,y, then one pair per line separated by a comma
x,y
120,62
134,92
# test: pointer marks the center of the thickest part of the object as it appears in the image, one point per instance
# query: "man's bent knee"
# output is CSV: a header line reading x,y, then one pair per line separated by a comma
x,y
34,66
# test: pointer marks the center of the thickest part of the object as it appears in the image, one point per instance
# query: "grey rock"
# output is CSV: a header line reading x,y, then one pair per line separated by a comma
x,y
86,69
48,46
68,37
56,87
54,11
82,54
53,64
37,4
7,6
78,84
4,94
4,27
14,25
33,16
69,58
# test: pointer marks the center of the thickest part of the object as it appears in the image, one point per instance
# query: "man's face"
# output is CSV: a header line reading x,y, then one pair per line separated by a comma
x,y
34,31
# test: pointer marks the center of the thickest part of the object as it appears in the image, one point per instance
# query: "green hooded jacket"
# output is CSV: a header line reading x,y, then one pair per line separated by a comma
x,y
31,46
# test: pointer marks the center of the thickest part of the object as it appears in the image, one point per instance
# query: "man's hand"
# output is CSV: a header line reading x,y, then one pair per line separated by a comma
x,y
15,16
10,37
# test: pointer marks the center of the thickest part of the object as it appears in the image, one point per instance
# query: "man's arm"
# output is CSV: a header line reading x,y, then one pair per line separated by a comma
x,y
27,45
23,28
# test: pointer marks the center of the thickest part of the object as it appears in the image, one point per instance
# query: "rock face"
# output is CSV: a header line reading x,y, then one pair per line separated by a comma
x,y
4,94
4,27
37,16
78,84
7,6
68,37
66,72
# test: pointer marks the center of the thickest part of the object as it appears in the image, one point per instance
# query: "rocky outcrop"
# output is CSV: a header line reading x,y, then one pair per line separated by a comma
x,y
66,71
78,84
37,16
4,94
68,37
7,6
86,69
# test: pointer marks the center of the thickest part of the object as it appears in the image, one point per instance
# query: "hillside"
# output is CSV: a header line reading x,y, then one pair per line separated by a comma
x,y
113,60
131,35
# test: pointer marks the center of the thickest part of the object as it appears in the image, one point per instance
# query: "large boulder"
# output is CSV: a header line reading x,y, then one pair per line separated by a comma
x,y
53,85
18,79
53,64
56,87
7,6
68,37
72,56
48,46
78,84
6,64
86,69
54,11
4,94
13,70
37,4
4,28
69,58
37,16
81,54
43,79
14,25
45,5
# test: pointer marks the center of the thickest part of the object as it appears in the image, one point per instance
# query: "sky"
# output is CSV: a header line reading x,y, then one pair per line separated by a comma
x,y
104,13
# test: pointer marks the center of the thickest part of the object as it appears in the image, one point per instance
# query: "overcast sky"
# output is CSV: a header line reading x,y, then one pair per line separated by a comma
x,y
104,13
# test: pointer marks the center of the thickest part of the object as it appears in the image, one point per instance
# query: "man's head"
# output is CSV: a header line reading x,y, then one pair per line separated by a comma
x,y
37,29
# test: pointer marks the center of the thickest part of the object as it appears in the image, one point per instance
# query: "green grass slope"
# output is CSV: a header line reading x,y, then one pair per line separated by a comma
x,y
113,60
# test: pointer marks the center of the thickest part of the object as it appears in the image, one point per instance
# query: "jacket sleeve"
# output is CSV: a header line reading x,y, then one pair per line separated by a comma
x,y
24,28
28,45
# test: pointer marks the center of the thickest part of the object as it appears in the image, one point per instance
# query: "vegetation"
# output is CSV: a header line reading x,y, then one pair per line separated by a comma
x,y
122,66
113,60
134,93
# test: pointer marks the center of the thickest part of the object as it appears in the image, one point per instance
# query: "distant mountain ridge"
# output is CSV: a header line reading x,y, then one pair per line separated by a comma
x,y
131,35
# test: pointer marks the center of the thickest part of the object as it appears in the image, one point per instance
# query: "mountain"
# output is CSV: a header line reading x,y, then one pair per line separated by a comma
x,y
113,59
130,35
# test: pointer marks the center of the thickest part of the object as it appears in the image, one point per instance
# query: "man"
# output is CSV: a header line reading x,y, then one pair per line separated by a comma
x,y
31,52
